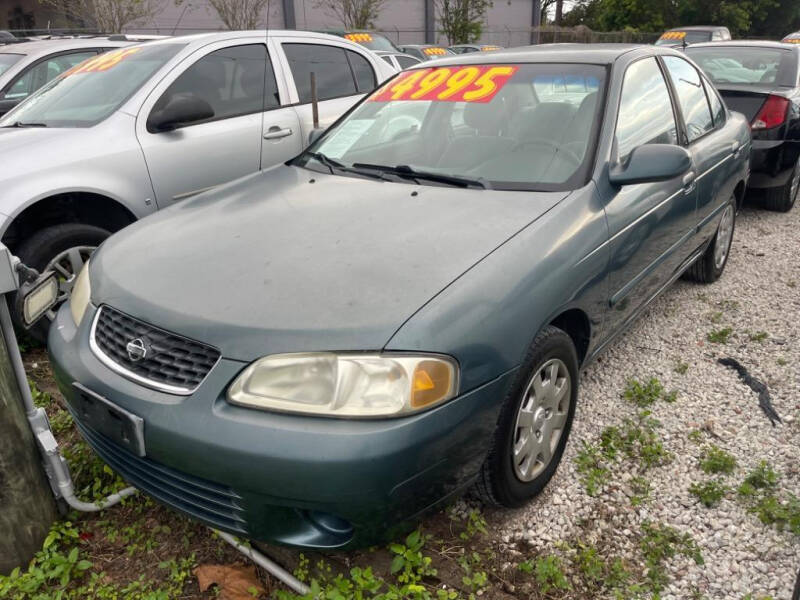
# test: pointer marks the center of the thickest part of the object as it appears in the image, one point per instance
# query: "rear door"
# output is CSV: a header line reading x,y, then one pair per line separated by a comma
x,y
710,143
343,75
649,223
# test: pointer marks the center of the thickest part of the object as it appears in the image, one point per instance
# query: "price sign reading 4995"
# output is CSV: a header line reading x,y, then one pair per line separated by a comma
x,y
448,84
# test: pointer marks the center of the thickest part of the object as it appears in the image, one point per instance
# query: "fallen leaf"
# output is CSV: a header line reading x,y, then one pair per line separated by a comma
x,y
234,582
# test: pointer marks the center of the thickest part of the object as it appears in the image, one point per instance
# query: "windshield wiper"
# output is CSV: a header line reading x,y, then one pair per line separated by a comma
x,y
24,124
334,165
409,172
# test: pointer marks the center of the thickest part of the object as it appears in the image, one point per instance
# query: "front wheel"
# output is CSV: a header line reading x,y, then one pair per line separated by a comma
x,y
63,249
534,422
709,267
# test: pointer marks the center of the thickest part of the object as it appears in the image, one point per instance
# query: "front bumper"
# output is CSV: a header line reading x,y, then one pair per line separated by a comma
x,y
295,480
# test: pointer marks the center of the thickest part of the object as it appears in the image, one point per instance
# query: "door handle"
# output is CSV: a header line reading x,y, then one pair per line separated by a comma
x,y
276,133
736,149
689,182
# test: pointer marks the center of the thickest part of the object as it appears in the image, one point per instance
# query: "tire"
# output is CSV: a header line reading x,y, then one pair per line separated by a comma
x,y
507,477
43,247
782,199
709,267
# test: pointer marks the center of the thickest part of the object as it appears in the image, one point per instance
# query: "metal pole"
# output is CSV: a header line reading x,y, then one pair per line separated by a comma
x,y
314,103
536,20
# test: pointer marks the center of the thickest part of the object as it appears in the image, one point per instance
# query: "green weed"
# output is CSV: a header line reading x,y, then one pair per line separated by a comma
x,y
717,460
719,336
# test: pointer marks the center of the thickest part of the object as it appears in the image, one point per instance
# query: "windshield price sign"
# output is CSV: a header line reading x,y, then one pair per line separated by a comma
x,y
104,62
673,35
448,84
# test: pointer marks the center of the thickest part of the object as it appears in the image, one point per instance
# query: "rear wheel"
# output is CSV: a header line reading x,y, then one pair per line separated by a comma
x,y
534,423
63,249
782,198
709,267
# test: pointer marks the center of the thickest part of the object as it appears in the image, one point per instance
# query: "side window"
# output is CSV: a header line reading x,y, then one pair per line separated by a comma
x,y
645,111
329,64
231,80
386,58
692,97
362,71
406,61
717,108
35,77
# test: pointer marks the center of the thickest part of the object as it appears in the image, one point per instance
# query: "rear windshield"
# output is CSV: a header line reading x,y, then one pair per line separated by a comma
x,y
6,60
516,127
671,38
92,90
742,65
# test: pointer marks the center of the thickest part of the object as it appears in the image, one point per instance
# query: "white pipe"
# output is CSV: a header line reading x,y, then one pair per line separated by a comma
x,y
266,563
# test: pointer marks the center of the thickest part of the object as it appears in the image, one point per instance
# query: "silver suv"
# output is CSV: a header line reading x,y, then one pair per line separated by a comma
x,y
137,129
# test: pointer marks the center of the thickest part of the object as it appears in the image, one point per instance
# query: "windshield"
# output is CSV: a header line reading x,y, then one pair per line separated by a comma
x,y
373,41
6,60
513,127
740,65
92,90
671,38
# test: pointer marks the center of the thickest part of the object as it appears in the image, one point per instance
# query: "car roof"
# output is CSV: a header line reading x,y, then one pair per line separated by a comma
x,y
698,28
201,39
46,47
746,43
553,53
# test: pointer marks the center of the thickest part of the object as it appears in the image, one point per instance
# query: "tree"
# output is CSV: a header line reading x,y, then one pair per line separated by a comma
x,y
108,16
354,14
461,21
240,14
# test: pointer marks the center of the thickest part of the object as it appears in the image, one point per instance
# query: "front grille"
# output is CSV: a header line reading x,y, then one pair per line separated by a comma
x,y
171,363
206,501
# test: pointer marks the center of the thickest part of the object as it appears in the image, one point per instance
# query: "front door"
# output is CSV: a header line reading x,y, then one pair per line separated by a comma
x,y
203,155
649,223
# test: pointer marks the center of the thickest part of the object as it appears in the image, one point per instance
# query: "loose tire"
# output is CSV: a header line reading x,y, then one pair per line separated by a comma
x,y
709,267
782,199
534,422
63,248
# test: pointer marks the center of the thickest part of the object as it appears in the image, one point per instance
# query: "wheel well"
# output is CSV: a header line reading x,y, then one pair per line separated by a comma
x,y
738,193
72,207
576,325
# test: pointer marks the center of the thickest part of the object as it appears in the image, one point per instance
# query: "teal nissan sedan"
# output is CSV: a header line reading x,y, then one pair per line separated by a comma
x,y
317,354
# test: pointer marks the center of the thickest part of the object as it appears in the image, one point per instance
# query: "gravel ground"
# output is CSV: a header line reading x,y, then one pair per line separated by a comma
x,y
757,293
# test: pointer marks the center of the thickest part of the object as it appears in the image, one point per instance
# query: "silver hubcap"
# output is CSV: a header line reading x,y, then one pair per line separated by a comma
x,y
724,236
541,419
67,265
795,183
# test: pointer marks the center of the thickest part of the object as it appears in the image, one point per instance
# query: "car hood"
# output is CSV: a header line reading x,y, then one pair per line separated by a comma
x,y
290,260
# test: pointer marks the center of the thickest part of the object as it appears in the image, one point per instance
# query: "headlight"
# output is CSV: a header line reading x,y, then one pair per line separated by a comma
x,y
81,291
346,385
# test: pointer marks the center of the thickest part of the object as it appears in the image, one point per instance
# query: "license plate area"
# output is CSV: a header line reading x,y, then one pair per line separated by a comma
x,y
102,415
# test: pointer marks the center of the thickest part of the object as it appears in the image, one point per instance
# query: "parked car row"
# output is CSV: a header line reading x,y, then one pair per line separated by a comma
x,y
373,315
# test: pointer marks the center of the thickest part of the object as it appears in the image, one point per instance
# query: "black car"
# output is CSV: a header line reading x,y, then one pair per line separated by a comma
x,y
760,80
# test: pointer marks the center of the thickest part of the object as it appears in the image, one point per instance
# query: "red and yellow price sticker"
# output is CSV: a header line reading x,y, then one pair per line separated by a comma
x,y
673,35
791,41
103,62
434,51
448,84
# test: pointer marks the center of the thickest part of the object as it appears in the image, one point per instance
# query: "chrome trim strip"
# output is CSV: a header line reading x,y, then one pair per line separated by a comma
x,y
707,171
119,369
192,193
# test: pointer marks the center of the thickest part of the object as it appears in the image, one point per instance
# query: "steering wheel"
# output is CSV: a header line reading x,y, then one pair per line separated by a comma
x,y
552,145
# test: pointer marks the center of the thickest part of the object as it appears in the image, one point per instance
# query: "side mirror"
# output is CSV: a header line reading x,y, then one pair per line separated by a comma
x,y
651,163
315,135
179,110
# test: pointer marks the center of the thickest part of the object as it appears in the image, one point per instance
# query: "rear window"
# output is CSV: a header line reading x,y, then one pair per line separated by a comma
x,y
742,65
6,60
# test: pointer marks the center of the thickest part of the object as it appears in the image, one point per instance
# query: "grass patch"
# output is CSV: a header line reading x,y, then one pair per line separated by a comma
x,y
715,317
681,368
719,336
759,491
715,460
709,492
659,543
758,336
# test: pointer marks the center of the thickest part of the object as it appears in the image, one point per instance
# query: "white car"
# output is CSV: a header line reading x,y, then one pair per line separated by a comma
x,y
140,128
27,66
